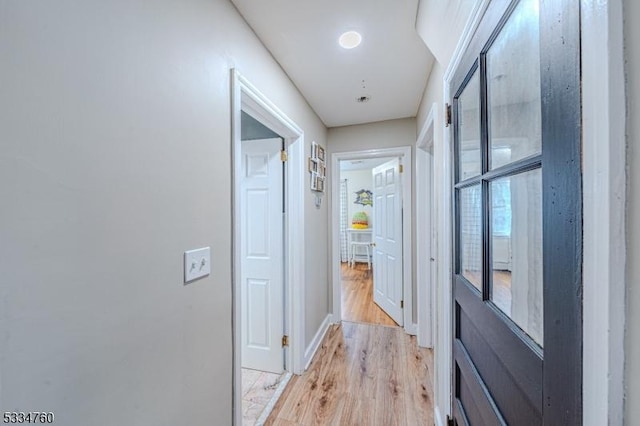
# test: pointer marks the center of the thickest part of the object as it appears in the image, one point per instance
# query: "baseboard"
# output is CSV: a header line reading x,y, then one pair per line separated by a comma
x,y
274,399
411,329
317,341
424,339
437,420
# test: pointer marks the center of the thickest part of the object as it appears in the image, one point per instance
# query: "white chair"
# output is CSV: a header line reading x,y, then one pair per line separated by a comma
x,y
357,246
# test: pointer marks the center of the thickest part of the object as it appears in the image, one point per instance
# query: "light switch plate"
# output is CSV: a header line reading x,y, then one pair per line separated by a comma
x,y
197,264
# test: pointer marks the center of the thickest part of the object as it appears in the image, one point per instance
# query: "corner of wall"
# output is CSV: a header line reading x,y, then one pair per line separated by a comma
x,y
313,347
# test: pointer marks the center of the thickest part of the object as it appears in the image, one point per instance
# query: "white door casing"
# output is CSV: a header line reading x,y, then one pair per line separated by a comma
x,y
426,230
246,97
262,268
387,250
405,153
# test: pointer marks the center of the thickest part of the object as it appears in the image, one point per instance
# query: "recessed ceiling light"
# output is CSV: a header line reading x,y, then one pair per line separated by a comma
x,y
350,39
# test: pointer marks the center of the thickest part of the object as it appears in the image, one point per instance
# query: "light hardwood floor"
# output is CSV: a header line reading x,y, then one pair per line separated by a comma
x,y
501,295
357,296
362,375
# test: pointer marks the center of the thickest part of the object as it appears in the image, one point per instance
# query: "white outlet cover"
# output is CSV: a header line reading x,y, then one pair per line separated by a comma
x,y
197,264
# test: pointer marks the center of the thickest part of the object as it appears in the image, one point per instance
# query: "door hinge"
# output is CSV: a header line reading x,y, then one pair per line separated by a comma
x,y
283,156
402,304
285,340
401,168
447,115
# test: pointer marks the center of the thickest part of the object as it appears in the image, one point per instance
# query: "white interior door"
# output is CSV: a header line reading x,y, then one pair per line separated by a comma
x,y
262,274
387,251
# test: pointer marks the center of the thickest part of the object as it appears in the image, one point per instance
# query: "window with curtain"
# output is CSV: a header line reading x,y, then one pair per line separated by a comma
x,y
501,200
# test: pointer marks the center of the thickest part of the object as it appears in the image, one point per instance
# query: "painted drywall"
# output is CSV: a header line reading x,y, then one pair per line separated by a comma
x,y
251,129
433,94
632,355
357,180
115,156
440,24
382,134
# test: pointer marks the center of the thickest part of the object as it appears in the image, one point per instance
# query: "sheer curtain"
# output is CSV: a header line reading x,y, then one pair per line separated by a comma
x,y
344,221
471,231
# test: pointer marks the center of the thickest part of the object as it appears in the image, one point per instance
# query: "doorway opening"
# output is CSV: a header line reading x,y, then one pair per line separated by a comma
x,y
268,251
374,262
262,281
357,229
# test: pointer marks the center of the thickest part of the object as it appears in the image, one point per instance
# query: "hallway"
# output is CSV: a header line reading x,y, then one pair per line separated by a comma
x,y
511,133
362,375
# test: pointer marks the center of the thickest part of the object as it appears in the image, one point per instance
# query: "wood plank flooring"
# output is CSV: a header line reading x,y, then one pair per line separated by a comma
x,y
357,296
501,294
362,375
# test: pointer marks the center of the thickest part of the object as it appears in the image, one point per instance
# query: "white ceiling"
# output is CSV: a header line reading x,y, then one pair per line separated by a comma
x,y
392,59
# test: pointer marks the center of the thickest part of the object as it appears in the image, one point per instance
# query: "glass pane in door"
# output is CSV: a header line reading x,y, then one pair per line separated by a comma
x,y
516,248
469,164
470,250
513,88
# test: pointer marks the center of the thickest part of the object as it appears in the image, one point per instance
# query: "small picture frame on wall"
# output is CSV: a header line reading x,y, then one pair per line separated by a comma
x,y
320,184
320,153
314,181
313,165
314,150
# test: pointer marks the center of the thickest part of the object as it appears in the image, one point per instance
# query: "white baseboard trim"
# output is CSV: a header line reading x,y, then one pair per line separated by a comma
x,y
411,329
317,341
437,419
274,399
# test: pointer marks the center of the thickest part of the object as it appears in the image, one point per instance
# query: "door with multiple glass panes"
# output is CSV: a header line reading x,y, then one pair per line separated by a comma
x,y
517,202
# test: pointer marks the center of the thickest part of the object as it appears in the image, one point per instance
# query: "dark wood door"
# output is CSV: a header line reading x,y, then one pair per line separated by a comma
x,y
518,222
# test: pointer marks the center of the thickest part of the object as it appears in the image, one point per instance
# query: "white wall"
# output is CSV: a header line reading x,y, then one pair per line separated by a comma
x,y
114,159
357,180
381,134
632,356
439,23
433,93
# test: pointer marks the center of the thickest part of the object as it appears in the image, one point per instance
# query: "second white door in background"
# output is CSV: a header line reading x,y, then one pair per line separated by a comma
x,y
387,251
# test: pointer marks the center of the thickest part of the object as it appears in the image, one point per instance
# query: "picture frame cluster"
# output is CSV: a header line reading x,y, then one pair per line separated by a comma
x,y
317,167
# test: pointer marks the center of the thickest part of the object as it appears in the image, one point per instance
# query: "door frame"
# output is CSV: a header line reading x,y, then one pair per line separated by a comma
x,y
604,208
425,219
246,97
404,152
